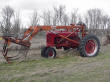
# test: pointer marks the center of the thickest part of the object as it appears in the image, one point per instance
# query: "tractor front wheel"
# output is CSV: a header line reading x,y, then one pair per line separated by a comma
x,y
89,46
43,51
48,52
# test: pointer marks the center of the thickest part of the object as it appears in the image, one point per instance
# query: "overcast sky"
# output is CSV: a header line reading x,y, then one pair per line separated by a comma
x,y
25,7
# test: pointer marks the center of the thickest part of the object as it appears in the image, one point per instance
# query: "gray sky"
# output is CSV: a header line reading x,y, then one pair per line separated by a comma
x,y
26,7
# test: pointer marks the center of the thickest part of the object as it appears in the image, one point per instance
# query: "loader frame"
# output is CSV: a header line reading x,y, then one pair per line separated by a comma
x,y
33,30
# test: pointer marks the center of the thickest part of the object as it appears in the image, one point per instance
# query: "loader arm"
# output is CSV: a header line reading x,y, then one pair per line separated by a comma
x,y
24,41
32,31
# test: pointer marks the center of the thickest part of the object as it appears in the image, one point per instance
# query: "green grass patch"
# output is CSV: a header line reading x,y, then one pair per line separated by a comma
x,y
65,69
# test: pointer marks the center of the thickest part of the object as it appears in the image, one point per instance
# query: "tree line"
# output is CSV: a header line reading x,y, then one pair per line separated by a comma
x,y
96,20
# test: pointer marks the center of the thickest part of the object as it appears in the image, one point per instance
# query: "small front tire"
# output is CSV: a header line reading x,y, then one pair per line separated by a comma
x,y
50,53
43,51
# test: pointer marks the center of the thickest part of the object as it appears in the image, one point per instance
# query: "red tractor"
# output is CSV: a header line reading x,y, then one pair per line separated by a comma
x,y
73,37
66,37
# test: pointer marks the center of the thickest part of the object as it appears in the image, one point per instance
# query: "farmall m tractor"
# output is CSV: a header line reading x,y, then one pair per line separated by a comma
x,y
66,37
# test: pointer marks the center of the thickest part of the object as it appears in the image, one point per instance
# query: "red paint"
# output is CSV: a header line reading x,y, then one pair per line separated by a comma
x,y
54,39
90,46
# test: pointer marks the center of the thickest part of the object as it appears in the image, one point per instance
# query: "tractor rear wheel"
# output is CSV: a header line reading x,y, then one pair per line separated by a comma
x,y
50,53
89,46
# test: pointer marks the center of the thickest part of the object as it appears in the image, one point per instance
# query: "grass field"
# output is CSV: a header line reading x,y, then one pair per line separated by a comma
x,y
63,69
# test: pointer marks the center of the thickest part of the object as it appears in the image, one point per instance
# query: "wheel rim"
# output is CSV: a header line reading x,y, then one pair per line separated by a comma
x,y
91,47
51,54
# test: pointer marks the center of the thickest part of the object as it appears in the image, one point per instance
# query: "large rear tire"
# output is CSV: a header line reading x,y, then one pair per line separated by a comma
x,y
89,46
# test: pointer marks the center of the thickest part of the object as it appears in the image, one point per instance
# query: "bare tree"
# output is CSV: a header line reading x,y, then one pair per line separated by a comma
x,y
74,16
55,16
93,19
65,20
47,18
96,19
17,24
7,14
105,21
59,14
35,19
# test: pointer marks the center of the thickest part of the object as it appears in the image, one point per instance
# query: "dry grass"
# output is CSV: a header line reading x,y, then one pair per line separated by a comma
x,y
63,69
67,67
